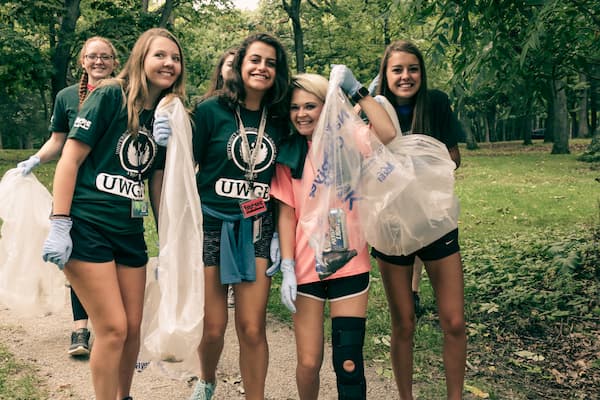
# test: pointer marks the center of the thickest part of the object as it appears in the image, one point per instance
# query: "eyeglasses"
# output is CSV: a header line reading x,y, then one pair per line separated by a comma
x,y
103,57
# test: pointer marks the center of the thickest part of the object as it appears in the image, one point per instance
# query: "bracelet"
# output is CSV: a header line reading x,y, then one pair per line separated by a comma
x,y
65,216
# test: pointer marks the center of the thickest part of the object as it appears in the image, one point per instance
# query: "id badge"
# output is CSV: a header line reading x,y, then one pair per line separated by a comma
x,y
139,208
252,207
256,229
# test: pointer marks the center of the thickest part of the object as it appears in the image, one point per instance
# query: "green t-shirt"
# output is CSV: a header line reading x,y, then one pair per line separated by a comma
x,y
112,174
217,143
65,111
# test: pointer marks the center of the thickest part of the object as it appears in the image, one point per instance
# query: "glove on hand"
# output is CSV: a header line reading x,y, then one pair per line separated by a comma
x,y
161,130
275,256
288,284
58,245
373,85
348,82
28,165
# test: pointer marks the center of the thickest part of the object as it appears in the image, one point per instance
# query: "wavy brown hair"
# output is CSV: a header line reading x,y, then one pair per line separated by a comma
x,y
276,99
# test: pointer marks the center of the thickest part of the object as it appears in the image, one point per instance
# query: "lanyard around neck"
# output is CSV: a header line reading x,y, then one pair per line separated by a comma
x,y
251,156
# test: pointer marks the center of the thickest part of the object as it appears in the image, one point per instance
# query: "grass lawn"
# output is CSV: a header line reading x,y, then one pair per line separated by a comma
x,y
529,235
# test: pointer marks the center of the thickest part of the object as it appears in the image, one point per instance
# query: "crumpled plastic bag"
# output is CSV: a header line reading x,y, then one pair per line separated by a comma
x,y
427,208
27,283
351,164
173,326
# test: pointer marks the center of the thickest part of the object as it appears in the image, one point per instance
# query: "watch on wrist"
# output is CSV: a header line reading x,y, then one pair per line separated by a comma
x,y
360,93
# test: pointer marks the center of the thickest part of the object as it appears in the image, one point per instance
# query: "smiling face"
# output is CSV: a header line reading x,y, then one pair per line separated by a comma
x,y
162,65
258,68
305,110
98,61
403,74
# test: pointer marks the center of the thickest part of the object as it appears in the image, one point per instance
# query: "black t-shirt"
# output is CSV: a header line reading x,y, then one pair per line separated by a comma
x,y
444,125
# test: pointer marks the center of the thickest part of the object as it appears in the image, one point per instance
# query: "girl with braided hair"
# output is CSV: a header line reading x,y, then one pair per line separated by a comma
x,y
98,59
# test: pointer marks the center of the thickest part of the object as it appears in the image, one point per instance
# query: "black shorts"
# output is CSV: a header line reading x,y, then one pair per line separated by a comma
x,y
336,289
443,247
93,244
262,248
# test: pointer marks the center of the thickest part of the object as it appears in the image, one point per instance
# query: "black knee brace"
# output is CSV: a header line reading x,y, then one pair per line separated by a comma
x,y
348,336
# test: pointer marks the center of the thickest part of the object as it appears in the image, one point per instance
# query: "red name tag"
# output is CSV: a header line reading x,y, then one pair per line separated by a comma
x,y
253,207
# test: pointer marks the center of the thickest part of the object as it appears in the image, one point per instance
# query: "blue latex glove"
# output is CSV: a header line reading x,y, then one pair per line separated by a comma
x,y
348,82
58,245
373,85
28,165
289,286
275,256
161,130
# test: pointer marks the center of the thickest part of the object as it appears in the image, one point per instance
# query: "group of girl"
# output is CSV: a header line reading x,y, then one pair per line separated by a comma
x,y
249,167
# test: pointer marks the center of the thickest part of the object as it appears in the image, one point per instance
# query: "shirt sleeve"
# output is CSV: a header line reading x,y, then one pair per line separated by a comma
x,y
281,185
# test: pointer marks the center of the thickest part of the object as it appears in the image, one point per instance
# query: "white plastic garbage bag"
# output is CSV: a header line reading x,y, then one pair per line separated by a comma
x,y
351,165
400,223
27,283
173,329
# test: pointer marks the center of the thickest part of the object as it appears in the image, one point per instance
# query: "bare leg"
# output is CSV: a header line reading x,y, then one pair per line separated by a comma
x,y
447,280
98,289
397,283
215,323
308,329
250,323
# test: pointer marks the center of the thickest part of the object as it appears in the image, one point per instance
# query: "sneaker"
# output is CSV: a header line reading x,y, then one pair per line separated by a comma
x,y
203,390
417,303
80,342
230,297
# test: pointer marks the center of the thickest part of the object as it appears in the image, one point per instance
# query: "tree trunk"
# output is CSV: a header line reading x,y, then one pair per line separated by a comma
x,y
165,15
470,139
549,133
293,11
594,106
560,117
527,129
62,51
583,127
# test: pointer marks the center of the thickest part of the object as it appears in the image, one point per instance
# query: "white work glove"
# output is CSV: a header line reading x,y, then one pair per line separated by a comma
x,y
289,286
348,82
275,256
373,85
28,165
161,130
58,245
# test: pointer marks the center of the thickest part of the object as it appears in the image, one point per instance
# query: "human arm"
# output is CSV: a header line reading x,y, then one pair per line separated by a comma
x,y
58,245
379,119
287,243
455,155
49,151
154,191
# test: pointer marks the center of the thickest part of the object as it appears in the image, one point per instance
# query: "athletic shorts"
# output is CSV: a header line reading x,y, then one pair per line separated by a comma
x,y
336,289
93,244
262,248
443,247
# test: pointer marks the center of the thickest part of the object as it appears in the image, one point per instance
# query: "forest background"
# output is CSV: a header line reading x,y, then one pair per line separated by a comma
x,y
523,77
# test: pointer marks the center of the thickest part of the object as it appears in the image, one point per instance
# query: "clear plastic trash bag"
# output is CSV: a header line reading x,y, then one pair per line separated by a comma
x,y
425,210
350,163
27,283
173,327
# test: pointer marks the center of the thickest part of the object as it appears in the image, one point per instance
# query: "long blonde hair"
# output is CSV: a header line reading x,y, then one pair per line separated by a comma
x,y
134,82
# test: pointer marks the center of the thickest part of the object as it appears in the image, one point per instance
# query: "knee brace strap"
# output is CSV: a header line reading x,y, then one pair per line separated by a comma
x,y
348,336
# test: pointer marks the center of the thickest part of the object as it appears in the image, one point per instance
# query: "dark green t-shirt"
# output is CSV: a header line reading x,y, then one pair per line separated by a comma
x,y
66,106
218,151
111,176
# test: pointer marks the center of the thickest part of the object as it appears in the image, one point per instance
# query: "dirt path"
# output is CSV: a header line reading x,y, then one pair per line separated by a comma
x,y
43,342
